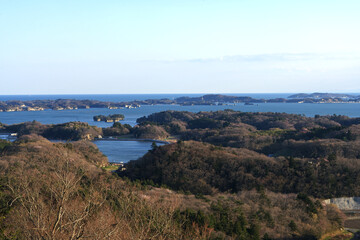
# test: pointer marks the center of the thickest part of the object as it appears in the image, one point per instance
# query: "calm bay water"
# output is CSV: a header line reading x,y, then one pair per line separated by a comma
x,y
86,115
124,151
118,151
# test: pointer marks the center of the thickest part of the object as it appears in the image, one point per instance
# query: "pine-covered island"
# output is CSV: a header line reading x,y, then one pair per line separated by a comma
x,y
109,118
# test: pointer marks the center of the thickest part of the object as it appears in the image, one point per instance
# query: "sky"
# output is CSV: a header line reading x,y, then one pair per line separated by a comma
x,y
188,46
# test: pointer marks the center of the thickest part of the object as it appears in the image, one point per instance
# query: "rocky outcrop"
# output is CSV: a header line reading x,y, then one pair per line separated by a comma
x,y
346,203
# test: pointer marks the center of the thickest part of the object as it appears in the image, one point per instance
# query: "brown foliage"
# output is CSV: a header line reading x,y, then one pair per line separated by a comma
x,y
56,192
150,132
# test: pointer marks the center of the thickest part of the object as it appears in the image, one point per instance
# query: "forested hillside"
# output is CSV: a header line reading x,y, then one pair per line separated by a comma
x,y
228,175
59,191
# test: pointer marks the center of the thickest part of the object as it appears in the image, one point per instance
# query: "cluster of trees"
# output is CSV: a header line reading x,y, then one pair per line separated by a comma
x,y
64,131
262,132
109,118
265,215
150,131
206,169
57,191
117,129
262,121
79,130
229,151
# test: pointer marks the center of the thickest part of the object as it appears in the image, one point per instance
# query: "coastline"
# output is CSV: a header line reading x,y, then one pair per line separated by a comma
x,y
131,139
209,99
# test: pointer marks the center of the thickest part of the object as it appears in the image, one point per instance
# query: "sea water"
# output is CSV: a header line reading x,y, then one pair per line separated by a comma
x,y
118,151
124,151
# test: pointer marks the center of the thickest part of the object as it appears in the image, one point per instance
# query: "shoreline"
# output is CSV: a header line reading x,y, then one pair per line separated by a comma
x,y
208,99
13,138
184,105
131,139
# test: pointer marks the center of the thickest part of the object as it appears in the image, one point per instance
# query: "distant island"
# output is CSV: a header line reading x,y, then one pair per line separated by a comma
x,y
209,99
322,95
110,118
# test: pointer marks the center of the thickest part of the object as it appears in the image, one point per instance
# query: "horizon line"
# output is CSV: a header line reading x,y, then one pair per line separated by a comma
x,y
205,93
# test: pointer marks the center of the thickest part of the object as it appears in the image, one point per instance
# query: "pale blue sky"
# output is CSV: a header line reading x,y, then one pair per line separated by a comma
x,y
197,46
